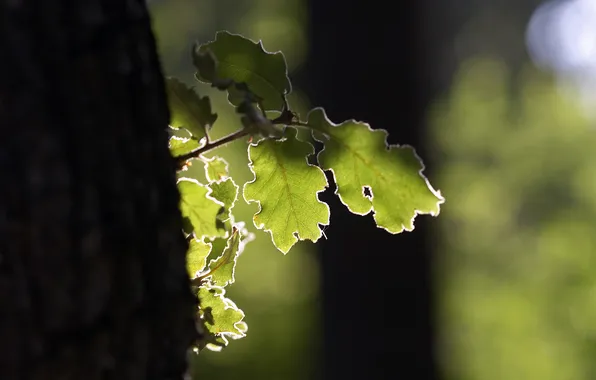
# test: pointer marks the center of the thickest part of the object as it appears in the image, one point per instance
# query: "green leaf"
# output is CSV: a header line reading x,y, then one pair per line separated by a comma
x,y
223,256
181,141
216,169
206,63
246,61
199,207
220,243
359,158
222,268
196,257
220,316
226,192
188,109
286,188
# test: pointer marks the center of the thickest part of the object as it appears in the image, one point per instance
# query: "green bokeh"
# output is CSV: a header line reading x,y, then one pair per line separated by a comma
x,y
517,267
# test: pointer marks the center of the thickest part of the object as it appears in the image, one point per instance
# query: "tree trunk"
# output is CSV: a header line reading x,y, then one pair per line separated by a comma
x,y
92,260
367,63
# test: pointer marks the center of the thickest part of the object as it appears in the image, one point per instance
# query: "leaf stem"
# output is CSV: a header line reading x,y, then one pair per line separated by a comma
x,y
300,124
214,144
296,124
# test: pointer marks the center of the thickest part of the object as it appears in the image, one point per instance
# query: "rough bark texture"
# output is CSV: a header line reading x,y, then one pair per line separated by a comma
x,y
92,261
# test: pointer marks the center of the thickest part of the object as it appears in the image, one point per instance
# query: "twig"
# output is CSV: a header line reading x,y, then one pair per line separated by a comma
x,y
209,145
213,144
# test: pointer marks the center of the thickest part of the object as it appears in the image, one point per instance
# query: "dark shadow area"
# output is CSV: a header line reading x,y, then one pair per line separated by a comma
x,y
369,63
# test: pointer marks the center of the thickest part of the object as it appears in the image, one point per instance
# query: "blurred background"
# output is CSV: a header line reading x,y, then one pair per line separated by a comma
x,y
498,98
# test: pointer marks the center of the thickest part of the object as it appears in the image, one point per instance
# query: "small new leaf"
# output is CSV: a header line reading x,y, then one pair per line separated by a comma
x,y
373,176
181,141
226,192
222,268
188,109
286,188
216,169
196,257
220,316
199,207
245,61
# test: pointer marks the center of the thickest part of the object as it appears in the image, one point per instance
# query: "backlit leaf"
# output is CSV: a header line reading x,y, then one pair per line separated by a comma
x,y
245,61
226,192
363,164
188,109
196,257
216,169
199,207
182,142
222,268
286,188
220,316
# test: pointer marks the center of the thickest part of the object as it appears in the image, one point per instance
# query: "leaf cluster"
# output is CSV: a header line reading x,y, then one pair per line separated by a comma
x,y
370,175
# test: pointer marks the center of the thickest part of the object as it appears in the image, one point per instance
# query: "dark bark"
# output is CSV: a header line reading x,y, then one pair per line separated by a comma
x,y
92,261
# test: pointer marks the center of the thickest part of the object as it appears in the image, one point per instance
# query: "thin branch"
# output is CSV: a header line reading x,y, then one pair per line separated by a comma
x,y
209,145
213,144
